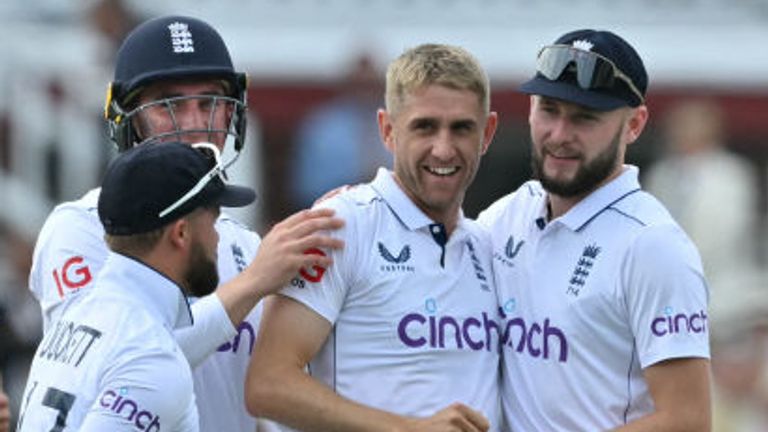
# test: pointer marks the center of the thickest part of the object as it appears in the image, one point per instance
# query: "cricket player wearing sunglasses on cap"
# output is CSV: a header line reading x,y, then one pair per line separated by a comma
x,y
603,293
174,81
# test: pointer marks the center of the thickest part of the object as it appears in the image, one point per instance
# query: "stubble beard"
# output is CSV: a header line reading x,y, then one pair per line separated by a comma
x,y
588,177
202,277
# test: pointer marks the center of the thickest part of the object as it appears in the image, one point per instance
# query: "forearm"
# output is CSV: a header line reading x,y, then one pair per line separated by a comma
x,y
240,295
211,328
297,400
663,422
680,389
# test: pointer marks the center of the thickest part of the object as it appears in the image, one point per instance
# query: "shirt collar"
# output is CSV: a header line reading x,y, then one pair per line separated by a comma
x,y
402,206
602,198
159,294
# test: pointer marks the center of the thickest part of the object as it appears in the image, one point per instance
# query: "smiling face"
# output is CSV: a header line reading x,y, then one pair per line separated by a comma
x,y
437,136
577,149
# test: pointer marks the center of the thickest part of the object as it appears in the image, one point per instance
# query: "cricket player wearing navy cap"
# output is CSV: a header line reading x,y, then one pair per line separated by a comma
x,y
604,296
174,81
111,362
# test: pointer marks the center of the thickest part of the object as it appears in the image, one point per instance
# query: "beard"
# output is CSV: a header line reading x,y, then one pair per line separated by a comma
x,y
202,276
588,177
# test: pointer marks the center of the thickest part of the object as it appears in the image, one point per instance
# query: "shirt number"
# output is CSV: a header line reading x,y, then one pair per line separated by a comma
x,y
57,399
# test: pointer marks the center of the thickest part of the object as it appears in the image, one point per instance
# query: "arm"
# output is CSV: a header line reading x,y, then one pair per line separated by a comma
x,y
69,253
5,411
280,256
277,386
665,278
154,379
680,389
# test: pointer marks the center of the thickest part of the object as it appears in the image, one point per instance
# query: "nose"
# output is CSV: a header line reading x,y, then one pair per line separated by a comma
x,y
194,122
190,116
560,130
443,146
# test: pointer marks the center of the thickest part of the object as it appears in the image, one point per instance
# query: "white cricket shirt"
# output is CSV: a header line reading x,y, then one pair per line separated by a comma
x,y
591,298
111,361
415,318
69,253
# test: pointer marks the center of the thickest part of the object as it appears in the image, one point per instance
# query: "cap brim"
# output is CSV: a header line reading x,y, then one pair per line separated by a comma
x,y
571,93
235,196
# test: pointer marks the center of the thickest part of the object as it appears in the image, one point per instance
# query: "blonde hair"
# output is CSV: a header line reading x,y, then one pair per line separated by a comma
x,y
428,64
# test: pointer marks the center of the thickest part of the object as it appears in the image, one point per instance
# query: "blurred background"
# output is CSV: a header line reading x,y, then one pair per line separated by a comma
x,y
316,69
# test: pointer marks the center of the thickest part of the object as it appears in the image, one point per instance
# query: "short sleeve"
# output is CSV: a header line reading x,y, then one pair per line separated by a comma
x,y
69,253
667,296
324,290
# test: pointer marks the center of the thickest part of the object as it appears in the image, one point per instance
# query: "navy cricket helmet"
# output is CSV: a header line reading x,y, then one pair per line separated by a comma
x,y
171,48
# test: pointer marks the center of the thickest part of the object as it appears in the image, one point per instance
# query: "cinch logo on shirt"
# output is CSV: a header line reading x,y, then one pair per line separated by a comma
x,y
537,340
144,420
671,324
416,330
244,327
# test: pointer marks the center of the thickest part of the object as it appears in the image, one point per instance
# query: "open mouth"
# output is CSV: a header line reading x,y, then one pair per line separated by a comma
x,y
443,171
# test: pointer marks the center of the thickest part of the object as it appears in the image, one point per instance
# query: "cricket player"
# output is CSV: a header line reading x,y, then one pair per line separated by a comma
x,y
604,296
402,332
111,361
174,80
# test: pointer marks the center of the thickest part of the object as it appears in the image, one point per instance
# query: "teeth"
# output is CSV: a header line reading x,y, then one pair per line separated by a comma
x,y
443,171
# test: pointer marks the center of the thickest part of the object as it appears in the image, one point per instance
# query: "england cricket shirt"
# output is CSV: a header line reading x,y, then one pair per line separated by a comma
x,y
414,312
111,361
591,299
69,253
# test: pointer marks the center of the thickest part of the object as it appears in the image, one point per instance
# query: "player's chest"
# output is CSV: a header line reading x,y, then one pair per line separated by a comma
x,y
570,277
411,270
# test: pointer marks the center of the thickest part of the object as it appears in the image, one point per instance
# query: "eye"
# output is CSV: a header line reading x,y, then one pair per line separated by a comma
x,y
547,107
463,126
423,125
173,104
585,117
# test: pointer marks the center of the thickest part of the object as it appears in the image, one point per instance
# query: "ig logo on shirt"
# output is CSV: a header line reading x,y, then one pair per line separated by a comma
x,y
313,275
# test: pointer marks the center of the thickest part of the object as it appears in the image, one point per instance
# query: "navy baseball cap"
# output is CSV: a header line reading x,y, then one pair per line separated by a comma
x,y
153,184
594,68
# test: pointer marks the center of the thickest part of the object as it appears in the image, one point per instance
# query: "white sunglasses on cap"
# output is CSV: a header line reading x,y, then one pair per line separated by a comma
x,y
216,171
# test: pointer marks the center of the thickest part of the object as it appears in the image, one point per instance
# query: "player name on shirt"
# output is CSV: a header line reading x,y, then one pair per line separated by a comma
x,y
69,343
